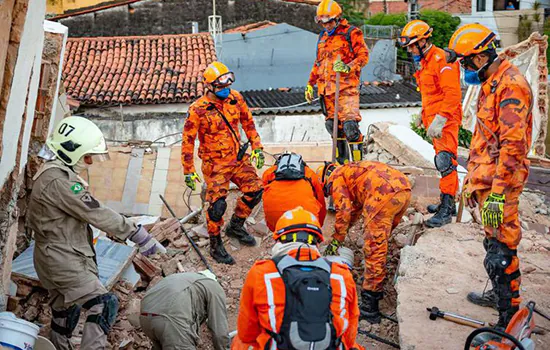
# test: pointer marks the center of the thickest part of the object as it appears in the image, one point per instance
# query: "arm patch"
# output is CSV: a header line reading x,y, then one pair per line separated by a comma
x,y
509,101
90,201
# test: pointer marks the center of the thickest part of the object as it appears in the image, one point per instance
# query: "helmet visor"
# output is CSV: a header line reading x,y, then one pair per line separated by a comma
x,y
100,157
323,19
405,41
225,79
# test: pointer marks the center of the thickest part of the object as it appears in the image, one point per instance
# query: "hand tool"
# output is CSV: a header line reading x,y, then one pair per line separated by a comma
x,y
463,320
335,128
193,244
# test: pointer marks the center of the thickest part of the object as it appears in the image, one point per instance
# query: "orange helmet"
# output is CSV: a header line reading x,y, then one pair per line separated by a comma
x,y
328,10
218,74
414,31
469,40
324,172
298,225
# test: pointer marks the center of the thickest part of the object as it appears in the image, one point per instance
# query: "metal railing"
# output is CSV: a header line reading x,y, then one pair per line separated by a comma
x,y
380,32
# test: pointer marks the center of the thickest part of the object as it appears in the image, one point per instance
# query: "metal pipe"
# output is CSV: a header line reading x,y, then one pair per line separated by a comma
x,y
191,215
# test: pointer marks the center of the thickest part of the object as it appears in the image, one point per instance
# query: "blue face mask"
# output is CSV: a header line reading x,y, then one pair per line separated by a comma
x,y
417,58
471,77
223,93
330,32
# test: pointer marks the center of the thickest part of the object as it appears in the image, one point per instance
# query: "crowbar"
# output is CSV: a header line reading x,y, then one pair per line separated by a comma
x,y
335,126
193,244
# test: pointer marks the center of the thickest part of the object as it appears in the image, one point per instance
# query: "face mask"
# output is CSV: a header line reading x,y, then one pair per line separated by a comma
x,y
471,77
223,93
330,32
80,166
417,58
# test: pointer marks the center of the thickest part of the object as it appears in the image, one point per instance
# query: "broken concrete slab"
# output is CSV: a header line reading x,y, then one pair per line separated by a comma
x,y
145,267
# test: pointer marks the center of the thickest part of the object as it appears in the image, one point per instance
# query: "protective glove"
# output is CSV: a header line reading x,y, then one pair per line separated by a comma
x,y
191,180
147,244
417,121
470,199
309,93
332,248
257,157
492,213
341,67
208,274
436,127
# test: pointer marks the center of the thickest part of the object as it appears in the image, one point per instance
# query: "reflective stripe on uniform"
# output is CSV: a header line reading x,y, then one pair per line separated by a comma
x,y
271,302
444,69
343,295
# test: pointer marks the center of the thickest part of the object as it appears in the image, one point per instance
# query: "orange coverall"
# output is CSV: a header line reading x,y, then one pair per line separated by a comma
x,y
218,150
264,280
439,84
498,158
282,195
382,195
322,74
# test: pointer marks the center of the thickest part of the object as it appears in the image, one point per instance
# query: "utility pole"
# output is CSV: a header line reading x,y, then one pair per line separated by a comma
x,y
413,10
215,29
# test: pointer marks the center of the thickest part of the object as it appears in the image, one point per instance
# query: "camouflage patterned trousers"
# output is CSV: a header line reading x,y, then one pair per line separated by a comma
x,y
378,225
217,175
348,106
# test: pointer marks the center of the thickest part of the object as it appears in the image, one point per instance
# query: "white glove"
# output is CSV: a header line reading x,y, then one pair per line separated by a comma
x,y
208,274
148,245
417,120
436,127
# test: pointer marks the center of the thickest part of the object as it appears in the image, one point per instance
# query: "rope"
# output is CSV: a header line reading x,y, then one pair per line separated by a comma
x,y
291,106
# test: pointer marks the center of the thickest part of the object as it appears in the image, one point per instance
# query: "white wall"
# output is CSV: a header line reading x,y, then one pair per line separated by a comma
x,y
58,28
24,89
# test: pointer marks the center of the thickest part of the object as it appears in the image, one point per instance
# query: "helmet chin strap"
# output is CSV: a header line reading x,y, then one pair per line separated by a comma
x,y
422,50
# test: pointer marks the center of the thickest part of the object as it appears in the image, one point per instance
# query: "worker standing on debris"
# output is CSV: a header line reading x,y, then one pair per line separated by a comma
x,y
291,183
173,310
340,48
215,117
498,166
382,195
60,213
439,84
297,299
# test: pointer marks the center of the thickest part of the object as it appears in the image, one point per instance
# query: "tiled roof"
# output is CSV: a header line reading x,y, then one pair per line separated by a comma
x,y
250,27
137,70
291,100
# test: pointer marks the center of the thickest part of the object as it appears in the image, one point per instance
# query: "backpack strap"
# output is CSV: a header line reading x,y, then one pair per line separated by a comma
x,y
348,38
317,48
288,261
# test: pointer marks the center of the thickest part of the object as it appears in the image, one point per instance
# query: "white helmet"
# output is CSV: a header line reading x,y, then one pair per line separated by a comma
x,y
76,137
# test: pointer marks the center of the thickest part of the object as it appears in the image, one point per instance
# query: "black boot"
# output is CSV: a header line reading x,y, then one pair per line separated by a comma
x,y
434,208
342,151
488,298
445,214
218,252
236,229
369,309
504,317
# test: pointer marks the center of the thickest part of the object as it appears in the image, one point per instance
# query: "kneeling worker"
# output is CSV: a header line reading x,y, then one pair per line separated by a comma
x,y
291,183
297,299
382,195
175,308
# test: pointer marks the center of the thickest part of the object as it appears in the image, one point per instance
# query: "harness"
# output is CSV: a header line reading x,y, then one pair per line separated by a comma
x,y
347,36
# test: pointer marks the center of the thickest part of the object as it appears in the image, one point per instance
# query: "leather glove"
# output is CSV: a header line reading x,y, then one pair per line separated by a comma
x,y
309,93
470,199
147,244
417,121
436,127
191,180
492,213
257,157
332,248
341,67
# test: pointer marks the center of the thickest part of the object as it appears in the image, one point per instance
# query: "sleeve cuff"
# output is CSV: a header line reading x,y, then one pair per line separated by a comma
x,y
498,189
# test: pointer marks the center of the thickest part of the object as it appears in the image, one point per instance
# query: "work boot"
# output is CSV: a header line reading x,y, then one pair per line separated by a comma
x,y
369,309
434,208
218,252
342,151
486,298
504,317
236,229
445,214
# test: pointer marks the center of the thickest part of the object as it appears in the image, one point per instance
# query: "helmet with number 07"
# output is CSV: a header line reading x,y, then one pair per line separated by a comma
x,y
75,137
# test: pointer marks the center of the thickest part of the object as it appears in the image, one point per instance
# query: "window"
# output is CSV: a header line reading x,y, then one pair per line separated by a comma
x,y
480,6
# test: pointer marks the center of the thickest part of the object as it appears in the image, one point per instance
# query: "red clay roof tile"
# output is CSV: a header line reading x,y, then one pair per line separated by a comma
x,y
137,69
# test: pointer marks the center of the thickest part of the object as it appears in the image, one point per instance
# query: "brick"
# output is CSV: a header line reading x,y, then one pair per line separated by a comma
x,y
145,267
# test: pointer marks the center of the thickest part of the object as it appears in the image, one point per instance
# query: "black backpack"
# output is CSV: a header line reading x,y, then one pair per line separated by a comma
x,y
290,166
307,321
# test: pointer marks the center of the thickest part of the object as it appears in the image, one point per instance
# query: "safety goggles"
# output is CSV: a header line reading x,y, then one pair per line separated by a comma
x,y
465,62
102,157
224,80
324,19
405,41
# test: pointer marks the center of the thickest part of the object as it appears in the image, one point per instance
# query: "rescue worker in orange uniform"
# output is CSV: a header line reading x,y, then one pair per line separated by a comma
x,y
340,48
297,298
439,84
498,165
215,118
288,184
381,195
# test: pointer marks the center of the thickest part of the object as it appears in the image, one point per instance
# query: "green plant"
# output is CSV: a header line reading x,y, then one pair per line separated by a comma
x,y
351,14
464,136
524,28
546,32
537,5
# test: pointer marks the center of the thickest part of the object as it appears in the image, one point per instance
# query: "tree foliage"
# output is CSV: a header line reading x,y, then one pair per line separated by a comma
x,y
355,17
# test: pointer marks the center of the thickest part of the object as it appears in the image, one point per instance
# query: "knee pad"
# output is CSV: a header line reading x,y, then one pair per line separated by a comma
x,y
329,124
107,317
351,129
498,258
71,316
444,163
251,199
217,209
